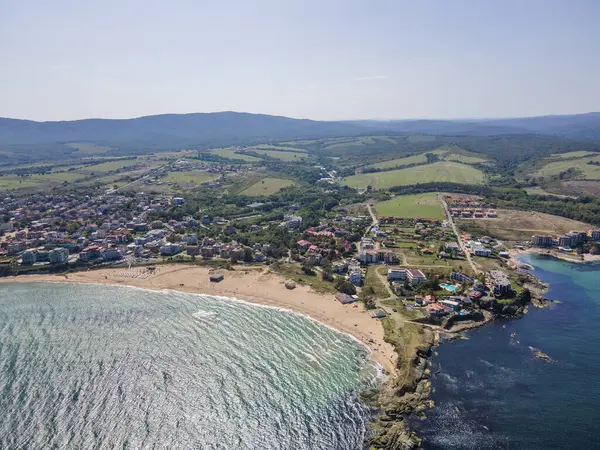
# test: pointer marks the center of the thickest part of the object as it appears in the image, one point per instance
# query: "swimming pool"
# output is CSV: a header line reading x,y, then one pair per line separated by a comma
x,y
449,287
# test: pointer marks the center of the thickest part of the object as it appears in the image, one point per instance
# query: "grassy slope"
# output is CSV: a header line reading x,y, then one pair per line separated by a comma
x,y
415,159
464,158
108,166
591,172
286,156
441,171
88,148
282,148
267,186
421,205
230,154
572,155
195,176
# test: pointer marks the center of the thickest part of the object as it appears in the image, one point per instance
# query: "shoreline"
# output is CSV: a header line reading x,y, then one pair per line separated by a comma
x,y
584,258
256,286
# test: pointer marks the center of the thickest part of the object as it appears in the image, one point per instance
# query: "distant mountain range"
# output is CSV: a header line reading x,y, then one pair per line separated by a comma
x,y
230,128
576,126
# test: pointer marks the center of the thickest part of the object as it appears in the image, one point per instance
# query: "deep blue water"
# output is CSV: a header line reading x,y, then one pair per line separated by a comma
x,y
491,393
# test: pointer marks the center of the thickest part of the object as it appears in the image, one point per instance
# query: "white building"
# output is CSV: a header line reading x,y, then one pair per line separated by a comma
x,y
170,249
29,257
59,255
110,254
396,274
415,277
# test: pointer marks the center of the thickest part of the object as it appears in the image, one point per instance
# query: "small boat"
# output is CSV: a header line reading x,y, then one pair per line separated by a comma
x,y
513,334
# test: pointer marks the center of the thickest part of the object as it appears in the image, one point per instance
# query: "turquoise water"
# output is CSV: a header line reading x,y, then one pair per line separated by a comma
x,y
449,287
87,366
491,393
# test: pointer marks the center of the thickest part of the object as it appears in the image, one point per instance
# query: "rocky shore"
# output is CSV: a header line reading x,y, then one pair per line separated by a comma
x,y
404,395
393,402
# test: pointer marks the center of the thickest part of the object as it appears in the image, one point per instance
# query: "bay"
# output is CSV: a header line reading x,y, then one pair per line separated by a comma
x,y
103,367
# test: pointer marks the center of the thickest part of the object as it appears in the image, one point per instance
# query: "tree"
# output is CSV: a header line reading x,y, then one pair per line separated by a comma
x,y
307,269
347,288
248,255
72,227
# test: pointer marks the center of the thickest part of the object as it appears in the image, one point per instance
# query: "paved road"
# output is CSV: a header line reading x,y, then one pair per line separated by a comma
x,y
456,232
373,217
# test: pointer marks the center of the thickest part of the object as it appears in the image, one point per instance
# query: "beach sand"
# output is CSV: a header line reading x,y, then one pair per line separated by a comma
x,y
249,284
555,253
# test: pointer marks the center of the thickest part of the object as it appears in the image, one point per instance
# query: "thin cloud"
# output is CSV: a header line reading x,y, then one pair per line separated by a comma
x,y
373,77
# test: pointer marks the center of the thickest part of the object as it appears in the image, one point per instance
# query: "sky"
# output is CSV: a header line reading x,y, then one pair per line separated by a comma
x,y
317,59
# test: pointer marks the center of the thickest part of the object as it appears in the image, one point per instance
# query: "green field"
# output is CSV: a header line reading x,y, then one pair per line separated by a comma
x,y
457,157
426,206
421,138
191,177
230,154
267,186
345,142
89,148
444,171
108,166
282,155
415,159
59,176
282,148
15,182
457,154
38,181
591,172
572,155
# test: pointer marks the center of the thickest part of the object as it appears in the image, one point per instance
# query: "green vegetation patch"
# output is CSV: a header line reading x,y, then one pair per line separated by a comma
x,y
374,284
108,166
416,159
230,154
457,157
59,176
282,148
572,155
10,182
416,206
267,186
444,171
345,142
192,177
416,139
590,171
38,181
89,148
286,156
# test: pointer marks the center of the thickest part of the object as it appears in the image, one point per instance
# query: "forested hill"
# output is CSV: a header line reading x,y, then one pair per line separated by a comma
x,y
230,128
172,130
576,126
24,139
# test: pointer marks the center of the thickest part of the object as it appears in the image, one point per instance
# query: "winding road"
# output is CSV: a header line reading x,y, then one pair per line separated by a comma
x,y
457,233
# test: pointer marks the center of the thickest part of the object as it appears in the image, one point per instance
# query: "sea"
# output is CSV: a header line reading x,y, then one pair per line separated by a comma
x,y
490,392
111,367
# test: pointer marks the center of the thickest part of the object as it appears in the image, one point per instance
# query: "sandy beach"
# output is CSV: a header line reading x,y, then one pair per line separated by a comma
x,y
252,285
555,253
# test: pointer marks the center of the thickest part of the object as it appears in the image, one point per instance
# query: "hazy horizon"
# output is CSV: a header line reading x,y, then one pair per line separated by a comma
x,y
333,60
308,118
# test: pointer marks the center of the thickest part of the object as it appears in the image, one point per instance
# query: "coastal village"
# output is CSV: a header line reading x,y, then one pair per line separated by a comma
x,y
396,283
66,233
